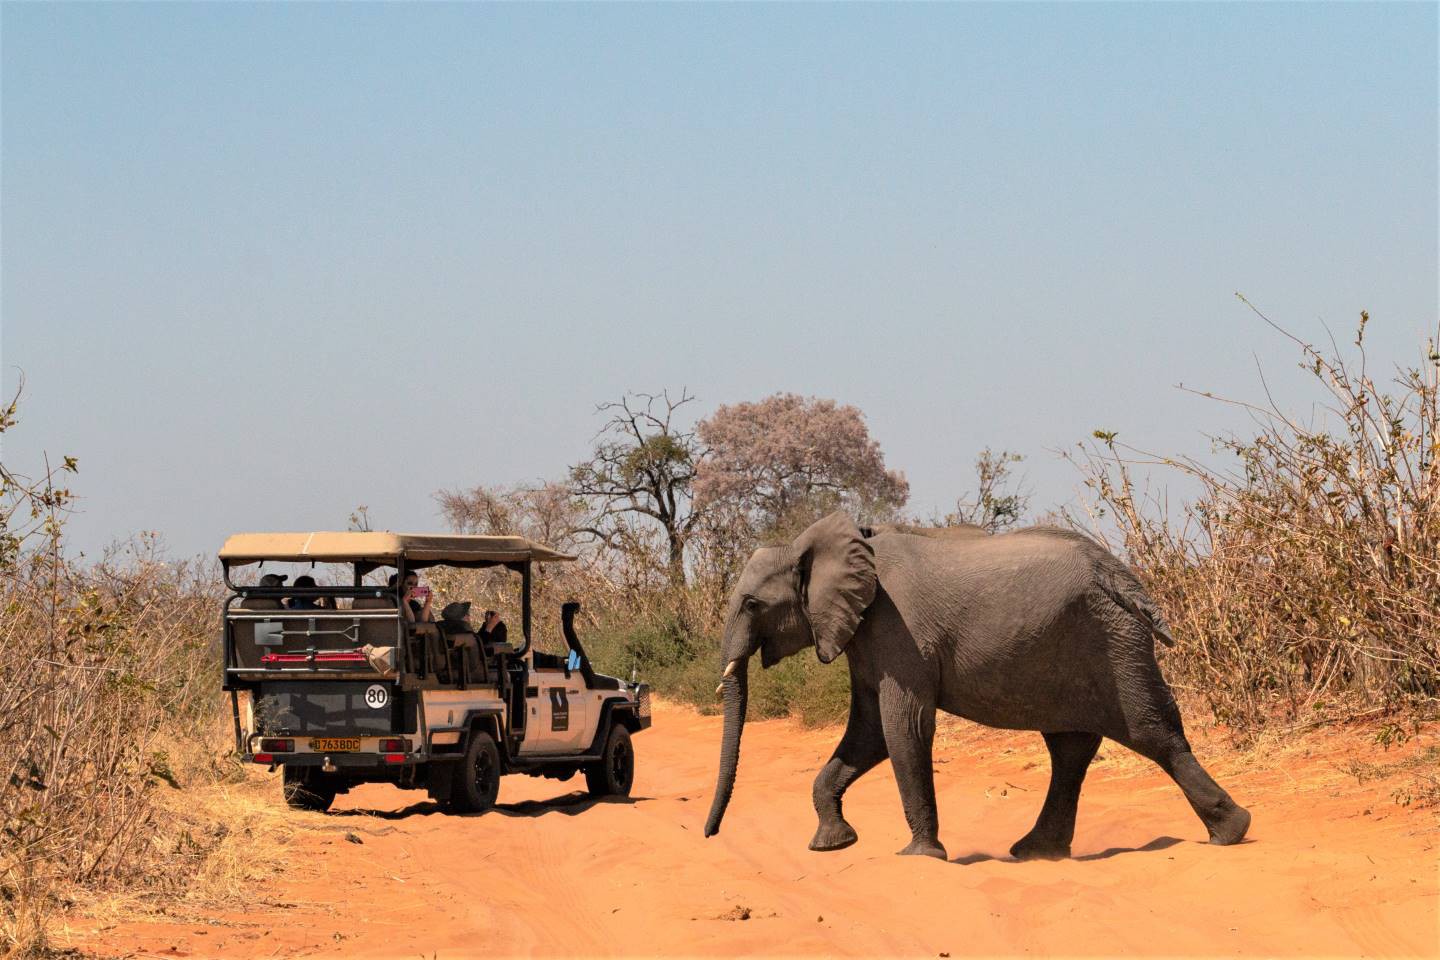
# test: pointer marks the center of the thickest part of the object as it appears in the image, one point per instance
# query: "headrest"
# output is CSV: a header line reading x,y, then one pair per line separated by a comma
x,y
372,603
260,603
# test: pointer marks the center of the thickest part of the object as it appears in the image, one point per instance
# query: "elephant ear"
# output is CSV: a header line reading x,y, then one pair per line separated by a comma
x,y
837,581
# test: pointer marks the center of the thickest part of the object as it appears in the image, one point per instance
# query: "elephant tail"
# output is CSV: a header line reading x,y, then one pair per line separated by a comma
x,y
1127,591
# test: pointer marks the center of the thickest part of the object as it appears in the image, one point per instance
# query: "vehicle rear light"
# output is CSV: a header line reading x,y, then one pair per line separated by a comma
x,y
263,758
394,758
277,746
395,746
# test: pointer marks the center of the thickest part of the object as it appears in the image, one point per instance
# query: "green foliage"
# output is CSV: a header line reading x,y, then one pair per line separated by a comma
x,y
657,454
653,645
686,668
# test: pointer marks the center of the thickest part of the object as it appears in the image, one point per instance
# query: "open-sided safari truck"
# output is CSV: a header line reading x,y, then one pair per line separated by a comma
x,y
355,692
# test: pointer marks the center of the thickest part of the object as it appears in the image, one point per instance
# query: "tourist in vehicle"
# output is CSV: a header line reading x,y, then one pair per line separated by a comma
x,y
492,630
415,598
309,603
266,603
455,625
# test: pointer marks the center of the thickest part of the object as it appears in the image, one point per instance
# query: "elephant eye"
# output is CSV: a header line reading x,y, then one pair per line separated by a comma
x,y
751,604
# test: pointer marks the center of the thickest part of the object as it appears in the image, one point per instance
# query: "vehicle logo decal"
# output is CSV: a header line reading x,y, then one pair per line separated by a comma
x,y
559,710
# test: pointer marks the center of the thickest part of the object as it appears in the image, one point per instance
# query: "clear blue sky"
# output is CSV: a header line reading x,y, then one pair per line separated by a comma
x,y
264,263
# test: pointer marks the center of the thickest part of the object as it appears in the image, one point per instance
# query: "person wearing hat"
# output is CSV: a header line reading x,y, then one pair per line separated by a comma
x,y
265,603
455,626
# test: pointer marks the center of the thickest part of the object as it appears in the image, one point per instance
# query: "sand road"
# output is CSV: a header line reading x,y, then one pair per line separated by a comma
x,y
1333,866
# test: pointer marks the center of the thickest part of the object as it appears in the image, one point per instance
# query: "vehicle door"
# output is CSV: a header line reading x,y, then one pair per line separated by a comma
x,y
558,712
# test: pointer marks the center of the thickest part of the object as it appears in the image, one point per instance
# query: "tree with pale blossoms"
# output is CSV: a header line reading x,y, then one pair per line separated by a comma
x,y
788,459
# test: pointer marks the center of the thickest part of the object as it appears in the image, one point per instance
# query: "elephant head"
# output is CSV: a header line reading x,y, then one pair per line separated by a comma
x,y
812,592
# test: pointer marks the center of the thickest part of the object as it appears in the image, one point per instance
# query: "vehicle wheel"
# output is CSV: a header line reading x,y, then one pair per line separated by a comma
x,y
614,772
477,782
306,790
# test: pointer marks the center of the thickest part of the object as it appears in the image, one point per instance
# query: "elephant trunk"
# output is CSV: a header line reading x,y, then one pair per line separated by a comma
x,y
735,688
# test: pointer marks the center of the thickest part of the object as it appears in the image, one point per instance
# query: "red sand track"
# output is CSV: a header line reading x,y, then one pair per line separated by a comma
x,y
1332,867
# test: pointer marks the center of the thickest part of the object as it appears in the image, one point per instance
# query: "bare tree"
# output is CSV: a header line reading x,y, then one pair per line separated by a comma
x,y
994,507
642,467
481,509
547,512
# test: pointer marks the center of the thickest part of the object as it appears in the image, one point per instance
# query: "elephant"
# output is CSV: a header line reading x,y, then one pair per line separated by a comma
x,y
1037,629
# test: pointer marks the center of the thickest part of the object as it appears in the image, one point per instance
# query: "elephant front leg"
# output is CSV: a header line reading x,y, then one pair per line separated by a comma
x,y
862,747
909,724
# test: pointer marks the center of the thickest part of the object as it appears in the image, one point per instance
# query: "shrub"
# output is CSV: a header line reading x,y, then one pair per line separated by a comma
x,y
1303,581
107,672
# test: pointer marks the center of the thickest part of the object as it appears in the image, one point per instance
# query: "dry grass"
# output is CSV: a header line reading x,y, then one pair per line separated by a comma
x,y
223,841
105,676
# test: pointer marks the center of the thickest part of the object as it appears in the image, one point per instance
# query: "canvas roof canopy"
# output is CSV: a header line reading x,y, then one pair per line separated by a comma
x,y
384,549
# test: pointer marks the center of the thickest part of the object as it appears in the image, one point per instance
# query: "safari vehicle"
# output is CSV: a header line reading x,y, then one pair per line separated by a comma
x,y
355,692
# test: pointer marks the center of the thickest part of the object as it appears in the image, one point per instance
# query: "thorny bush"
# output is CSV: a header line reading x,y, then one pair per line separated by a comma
x,y
1303,582
106,673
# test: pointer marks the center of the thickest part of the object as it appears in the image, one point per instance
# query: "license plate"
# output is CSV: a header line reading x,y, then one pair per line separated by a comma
x,y
335,744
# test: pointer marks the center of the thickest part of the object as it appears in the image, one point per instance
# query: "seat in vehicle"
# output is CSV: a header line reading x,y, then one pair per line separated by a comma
x,y
260,603
372,603
377,632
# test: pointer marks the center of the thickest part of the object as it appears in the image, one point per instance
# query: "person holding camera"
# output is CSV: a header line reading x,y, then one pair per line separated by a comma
x,y
492,631
415,599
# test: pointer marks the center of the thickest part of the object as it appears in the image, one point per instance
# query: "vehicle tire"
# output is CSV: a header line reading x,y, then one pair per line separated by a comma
x,y
613,774
307,790
477,782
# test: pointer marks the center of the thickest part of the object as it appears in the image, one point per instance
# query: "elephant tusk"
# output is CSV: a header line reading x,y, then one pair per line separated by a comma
x,y
729,672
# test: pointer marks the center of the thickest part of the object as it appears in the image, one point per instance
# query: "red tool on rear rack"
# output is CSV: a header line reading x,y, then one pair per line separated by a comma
x,y
328,656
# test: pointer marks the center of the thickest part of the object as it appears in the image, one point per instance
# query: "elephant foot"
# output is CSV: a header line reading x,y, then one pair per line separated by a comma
x,y
1230,827
833,836
925,848
1032,847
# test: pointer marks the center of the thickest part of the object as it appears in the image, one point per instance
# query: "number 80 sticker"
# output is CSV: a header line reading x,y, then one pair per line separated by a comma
x,y
376,696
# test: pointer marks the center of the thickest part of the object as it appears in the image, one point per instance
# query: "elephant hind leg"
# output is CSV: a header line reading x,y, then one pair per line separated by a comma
x,y
859,750
1225,820
1159,736
1150,725
1070,756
